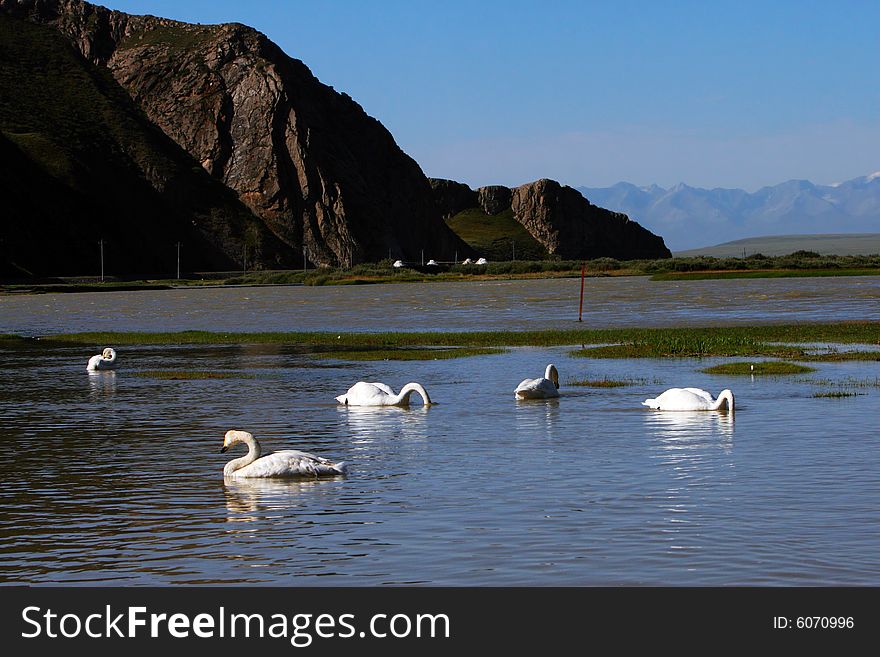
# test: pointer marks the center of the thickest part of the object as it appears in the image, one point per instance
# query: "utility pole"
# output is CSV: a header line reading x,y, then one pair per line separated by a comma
x,y
101,244
513,246
423,257
455,262
178,261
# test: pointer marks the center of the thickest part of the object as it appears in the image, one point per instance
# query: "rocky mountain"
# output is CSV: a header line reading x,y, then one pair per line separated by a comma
x,y
692,217
80,163
216,114
558,217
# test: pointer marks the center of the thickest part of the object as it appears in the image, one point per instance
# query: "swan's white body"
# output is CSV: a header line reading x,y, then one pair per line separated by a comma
x,y
286,463
378,394
432,263
398,263
482,261
467,261
539,388
106,360
691,399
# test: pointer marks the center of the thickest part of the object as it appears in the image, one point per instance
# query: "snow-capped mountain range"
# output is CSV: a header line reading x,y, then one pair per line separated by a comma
x,y
689,217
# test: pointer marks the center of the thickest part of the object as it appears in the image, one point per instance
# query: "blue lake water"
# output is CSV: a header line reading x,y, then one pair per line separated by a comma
x,y
510,305
116,477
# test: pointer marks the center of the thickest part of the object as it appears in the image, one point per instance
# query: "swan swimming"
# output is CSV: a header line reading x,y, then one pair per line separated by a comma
x,y
106,360
691,399
540,388
378,394
286,463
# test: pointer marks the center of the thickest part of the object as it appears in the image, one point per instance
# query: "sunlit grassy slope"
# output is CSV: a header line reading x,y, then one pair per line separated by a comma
x,y
495,236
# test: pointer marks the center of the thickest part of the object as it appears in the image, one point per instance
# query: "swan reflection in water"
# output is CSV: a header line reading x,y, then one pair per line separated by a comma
x,y
249,500
537,419
368,423
692,450
690,425
101,383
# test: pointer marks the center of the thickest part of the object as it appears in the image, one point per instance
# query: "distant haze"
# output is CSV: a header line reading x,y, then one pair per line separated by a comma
x,y
775,245
690,217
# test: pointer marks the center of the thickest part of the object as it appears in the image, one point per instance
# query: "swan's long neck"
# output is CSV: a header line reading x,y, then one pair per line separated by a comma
x,y
552,375
724,401
252,455
409,389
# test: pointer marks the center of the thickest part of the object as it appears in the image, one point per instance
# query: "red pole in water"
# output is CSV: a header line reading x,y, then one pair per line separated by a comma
x,y
581,310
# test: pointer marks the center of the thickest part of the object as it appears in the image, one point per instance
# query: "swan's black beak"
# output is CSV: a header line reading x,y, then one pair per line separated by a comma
x,y
223,449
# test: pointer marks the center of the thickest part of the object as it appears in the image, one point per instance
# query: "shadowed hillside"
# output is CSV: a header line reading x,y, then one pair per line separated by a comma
x,y
80,162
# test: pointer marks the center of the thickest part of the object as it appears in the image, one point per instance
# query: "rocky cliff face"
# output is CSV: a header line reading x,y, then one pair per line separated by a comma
x,y
452,197
567,224
79,163
320,172
494,198
558,217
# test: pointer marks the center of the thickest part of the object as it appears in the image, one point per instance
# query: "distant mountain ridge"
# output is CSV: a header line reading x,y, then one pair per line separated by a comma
x,y
842,244
691,217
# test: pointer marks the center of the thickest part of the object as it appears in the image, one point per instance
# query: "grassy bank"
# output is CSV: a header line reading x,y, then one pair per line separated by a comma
x,y
776,341
762,273
758,368
799,264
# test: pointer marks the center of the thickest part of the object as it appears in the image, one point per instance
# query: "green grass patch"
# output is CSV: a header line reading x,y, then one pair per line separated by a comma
x,y
496,236
684,345
761,367
774,340
837,394
189,375
841,356
770,273
408,353
605,383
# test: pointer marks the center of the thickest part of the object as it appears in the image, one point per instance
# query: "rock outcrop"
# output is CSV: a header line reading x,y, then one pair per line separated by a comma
x,y
494,198
308,161
567,224
452,197
558,217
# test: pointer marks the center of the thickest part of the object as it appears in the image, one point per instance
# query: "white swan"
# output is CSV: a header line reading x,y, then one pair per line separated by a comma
x,y
286,463
482,261
467,261
398,264
691,399
433,263
378,394
106,360
539,388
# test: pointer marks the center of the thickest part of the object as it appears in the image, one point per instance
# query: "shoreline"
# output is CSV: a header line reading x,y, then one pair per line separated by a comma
x,y
415,277
785,341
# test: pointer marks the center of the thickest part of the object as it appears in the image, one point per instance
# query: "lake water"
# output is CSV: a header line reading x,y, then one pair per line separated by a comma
x,y
513,305
117,477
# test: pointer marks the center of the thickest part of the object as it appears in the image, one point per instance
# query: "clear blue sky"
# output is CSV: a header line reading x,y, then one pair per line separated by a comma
x,y
728,94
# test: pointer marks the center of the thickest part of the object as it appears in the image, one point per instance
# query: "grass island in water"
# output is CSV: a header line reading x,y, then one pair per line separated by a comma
x,y
780,341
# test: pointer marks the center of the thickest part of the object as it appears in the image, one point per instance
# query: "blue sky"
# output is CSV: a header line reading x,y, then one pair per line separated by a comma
x,y
726,94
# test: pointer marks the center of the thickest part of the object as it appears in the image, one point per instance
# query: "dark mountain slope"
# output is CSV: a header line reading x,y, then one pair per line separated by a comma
x,y
318,170
80,162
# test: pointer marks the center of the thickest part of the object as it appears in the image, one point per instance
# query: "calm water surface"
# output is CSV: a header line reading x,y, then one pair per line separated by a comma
x,y
513,305
116,477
